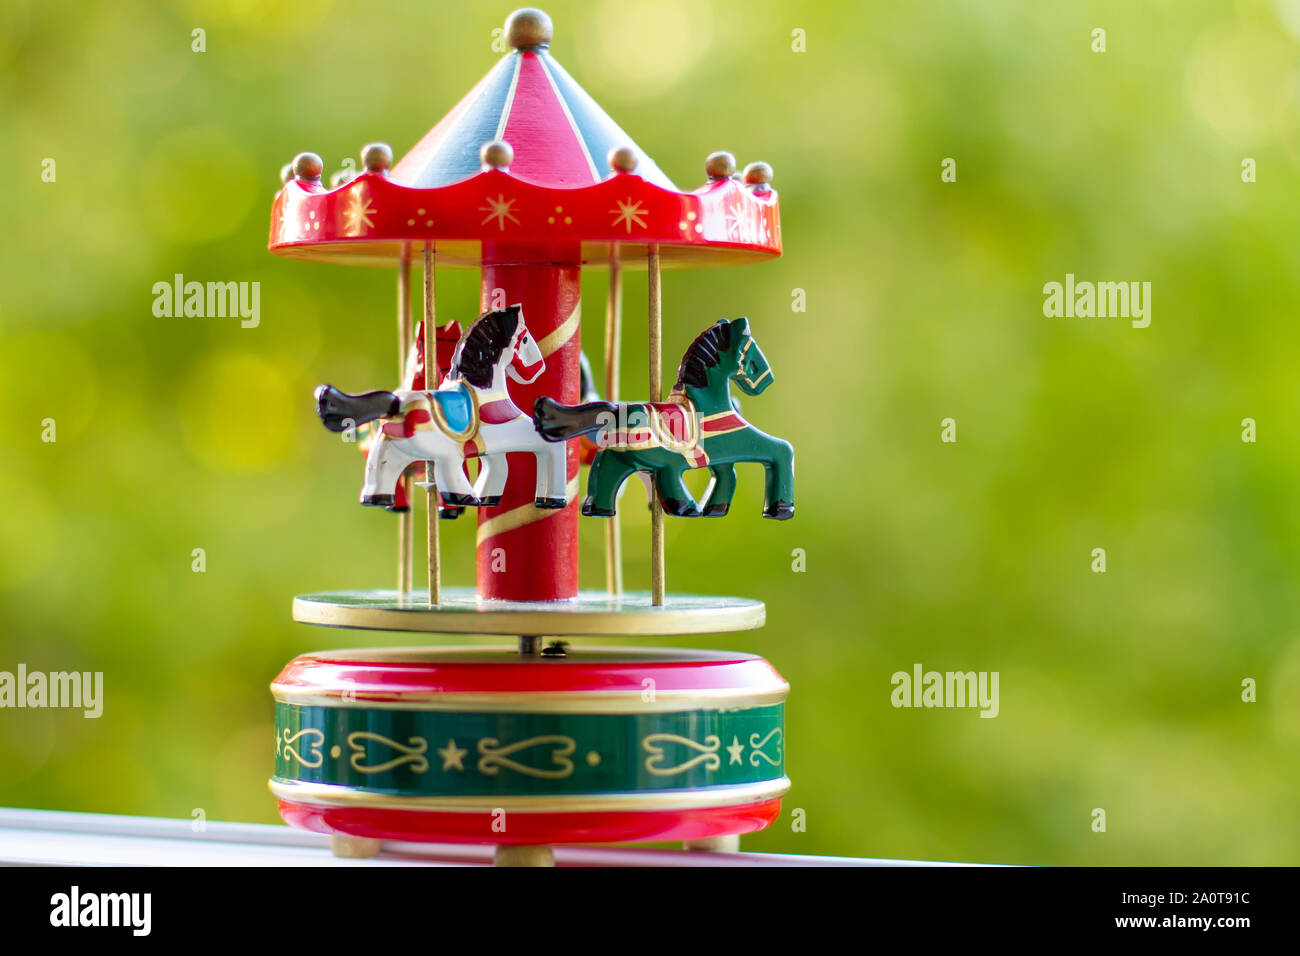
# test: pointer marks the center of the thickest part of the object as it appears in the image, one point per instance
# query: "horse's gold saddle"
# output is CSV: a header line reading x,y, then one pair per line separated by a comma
x,y
454,411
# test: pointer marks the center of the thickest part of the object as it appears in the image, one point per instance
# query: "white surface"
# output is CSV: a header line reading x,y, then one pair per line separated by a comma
x,y
51,838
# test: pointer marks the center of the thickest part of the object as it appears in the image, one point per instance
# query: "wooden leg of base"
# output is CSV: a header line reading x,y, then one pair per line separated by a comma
x,y
541,855
353,848
728,843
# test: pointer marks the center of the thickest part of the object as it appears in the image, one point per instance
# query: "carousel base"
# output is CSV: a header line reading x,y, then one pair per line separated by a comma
x,y
591,613
483,745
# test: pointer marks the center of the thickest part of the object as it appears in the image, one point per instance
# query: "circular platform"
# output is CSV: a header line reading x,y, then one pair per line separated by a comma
x,y
483,745
590,614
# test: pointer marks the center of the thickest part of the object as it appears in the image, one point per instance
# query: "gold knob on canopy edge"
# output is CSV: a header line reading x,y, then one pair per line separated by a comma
x,y
308,166
529,27
720,165
497,154
376,157
623,159
758,175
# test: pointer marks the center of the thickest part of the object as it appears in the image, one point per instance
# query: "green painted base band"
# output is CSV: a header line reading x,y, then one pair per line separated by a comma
x,y
441,754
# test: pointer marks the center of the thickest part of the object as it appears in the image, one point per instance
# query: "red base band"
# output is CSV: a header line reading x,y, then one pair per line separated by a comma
x,y
418,826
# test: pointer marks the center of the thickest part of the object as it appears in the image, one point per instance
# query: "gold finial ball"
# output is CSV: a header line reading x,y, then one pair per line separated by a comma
x,y
529,27
622,159
286,172
758,175
720,165
308,166
376,157
498,154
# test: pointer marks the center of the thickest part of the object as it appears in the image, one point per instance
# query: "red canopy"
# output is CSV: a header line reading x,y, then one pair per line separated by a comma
x,y
557,200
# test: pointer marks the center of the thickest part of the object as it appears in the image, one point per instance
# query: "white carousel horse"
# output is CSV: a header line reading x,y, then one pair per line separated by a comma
x,y
469,415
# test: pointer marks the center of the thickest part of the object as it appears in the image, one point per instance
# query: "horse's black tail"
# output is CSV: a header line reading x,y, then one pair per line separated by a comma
x,y
557,422
339,410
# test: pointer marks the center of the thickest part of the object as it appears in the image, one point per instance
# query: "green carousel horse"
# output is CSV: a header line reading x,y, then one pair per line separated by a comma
x,y
697,427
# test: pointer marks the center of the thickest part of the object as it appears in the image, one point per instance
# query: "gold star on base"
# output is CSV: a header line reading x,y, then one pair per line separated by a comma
x,y
498,209
741,226
452,756
358,214
736,749
629,212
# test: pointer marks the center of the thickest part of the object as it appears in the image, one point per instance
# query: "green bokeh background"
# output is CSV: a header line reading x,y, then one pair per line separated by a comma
x,y
1119,690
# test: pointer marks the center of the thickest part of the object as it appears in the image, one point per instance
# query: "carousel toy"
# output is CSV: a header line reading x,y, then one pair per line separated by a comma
x,y
544,740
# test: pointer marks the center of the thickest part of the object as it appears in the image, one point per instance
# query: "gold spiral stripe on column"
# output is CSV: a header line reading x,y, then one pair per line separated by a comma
x,y
563,332
524,514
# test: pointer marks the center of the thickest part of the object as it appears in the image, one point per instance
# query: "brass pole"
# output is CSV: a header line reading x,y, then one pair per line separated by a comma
x,y
656,395
431,483
406,520
613,333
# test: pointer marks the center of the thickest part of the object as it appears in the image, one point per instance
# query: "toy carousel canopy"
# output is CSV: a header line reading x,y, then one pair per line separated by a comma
x,y
526,167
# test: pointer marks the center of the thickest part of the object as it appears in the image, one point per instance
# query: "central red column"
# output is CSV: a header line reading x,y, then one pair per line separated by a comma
x,y
525,553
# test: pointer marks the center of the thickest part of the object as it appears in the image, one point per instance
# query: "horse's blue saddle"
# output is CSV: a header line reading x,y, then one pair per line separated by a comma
x,y
456,406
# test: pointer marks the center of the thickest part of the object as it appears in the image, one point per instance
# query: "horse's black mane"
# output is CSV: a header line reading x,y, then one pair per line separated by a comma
x,y
703,354
477,354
